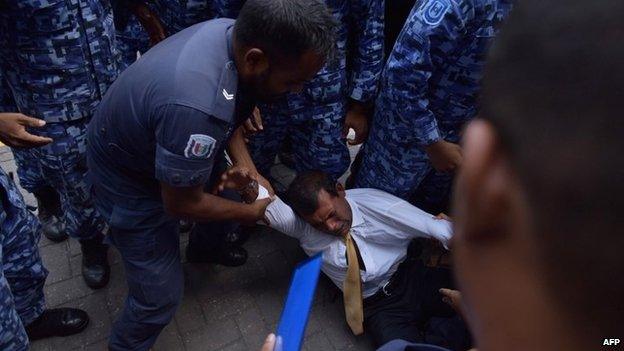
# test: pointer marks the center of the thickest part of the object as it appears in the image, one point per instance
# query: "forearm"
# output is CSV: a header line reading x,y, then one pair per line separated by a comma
x,y
208,207
237,149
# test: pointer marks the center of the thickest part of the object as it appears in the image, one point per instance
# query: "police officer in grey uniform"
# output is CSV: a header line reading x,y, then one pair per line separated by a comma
x,y
158,132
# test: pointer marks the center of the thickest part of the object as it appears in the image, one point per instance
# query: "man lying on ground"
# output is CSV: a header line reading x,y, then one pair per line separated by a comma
x,y
364,236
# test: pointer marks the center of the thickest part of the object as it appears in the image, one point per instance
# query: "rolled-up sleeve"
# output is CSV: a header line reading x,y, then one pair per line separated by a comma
x,y
186,143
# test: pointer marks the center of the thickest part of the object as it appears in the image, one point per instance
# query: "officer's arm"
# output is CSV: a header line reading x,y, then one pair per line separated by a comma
x,y
410,65
365,58
195,204
187,144
238,152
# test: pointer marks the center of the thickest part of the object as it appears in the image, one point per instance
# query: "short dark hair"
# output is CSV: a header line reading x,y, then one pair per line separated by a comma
x,y
287,28
553,91
302,194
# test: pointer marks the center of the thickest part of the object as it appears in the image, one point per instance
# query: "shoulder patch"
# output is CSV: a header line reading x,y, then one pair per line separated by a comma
x,y
433,12
199,146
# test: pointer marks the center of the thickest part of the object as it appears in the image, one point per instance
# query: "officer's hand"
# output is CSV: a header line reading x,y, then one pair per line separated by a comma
x,y
444,216
258,209
265,183
13,131
253,124
239,178
150,22
357,118
454,299
444,156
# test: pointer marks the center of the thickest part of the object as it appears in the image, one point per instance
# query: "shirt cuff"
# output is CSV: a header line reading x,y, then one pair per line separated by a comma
x,y
179,171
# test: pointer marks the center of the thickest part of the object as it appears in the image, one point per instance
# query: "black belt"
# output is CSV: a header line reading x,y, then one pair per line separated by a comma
x,y
390,287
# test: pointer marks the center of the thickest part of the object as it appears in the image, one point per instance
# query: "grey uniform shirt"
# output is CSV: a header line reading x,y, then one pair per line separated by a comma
x,y
166,117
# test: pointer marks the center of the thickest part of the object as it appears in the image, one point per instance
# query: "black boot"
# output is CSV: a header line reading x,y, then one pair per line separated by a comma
x,y
95,268
50,214
57,322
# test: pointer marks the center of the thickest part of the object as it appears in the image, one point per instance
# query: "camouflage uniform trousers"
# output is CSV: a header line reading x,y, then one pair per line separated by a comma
x,y
22,274
316,135
402,168
62,165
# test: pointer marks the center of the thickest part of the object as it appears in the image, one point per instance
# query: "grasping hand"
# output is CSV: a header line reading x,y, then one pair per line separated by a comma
x,y
454,299
357,118
150,22
13,131
238,178
253,124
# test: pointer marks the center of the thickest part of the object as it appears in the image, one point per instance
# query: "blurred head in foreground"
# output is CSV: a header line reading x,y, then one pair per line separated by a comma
x,y
539,199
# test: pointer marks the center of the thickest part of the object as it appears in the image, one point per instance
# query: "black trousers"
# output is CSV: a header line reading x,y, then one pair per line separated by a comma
x,y
208,238
413,310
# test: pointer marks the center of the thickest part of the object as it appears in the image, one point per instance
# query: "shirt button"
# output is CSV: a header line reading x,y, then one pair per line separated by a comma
x,y
103,130
176,178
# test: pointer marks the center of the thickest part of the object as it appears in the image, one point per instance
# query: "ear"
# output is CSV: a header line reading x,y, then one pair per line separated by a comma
x,y
340,189
256,61
486,185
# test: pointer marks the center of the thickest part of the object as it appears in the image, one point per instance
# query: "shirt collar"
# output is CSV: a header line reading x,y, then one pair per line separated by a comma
x,y
356,214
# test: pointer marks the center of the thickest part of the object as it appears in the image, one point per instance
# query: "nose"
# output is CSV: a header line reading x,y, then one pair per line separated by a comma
x,y
332,225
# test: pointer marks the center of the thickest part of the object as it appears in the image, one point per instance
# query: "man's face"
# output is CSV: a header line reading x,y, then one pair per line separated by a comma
x,y
333,215
278,77
493,243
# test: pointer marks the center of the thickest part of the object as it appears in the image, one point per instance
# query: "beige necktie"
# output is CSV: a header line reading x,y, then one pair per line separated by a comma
x,y
354,309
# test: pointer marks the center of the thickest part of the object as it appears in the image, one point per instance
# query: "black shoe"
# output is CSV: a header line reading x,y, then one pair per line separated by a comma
x,y
57,322
185,226
49,205
232,256
95,268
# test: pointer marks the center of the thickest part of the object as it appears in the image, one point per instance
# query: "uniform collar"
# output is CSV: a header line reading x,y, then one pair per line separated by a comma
x,y
356,214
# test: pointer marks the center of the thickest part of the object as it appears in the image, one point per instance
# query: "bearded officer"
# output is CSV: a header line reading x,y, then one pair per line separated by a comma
x,y
178,106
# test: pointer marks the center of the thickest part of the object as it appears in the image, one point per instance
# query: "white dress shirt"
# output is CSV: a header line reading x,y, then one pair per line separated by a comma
x,y
383,226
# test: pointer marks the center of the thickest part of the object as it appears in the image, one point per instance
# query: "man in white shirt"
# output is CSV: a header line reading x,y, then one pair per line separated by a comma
x,y
400,295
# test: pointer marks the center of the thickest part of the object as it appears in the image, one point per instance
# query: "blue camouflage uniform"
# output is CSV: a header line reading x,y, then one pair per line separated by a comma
x,y
175,125
175,16
58,59
22,274
428,92
28,167
314,118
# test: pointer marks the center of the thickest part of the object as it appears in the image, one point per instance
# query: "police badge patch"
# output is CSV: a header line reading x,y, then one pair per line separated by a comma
x,y
199,146
434,11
